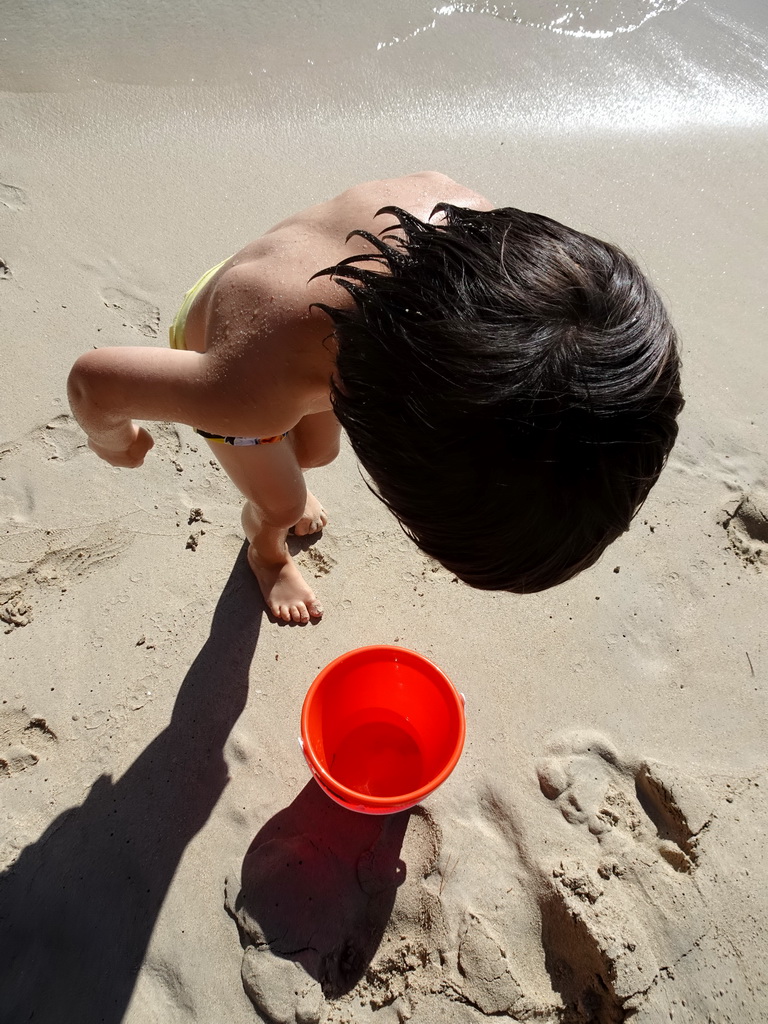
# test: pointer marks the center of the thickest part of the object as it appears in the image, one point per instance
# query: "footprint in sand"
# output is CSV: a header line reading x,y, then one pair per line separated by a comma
x,y
32,468
623,910
32,557
313,907
135,311
13,198
334,935
591,786
62,438
48,477
444,956
747,528
39,558
495,978
21,737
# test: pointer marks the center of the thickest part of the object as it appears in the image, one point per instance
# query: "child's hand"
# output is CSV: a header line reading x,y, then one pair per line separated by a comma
x,y
130,458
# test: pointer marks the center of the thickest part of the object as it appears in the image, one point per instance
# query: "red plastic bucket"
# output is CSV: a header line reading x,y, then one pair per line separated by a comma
x,y
381,727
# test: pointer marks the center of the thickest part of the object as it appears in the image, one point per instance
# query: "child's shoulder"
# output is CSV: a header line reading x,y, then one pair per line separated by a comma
x,y
276,274
417,193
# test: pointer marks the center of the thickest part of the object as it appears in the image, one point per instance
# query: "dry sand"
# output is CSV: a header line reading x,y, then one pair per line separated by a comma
x,y
598,855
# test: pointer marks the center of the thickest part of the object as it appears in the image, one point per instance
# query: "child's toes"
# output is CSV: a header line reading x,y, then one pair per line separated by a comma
x,y
307,526
315,610
299,613
318,521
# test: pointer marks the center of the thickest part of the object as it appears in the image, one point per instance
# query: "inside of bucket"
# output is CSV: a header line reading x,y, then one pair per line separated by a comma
x,y
384,724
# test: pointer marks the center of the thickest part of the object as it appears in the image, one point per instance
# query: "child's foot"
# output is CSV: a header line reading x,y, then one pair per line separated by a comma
x,y
314,518
287,595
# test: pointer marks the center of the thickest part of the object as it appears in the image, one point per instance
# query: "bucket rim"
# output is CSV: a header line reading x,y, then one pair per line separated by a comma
x,y
344,793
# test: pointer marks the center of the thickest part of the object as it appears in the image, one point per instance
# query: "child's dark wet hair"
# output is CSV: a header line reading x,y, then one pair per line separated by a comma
x,y
511,386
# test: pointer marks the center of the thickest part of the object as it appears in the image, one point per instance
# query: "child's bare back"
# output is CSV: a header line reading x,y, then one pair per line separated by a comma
x,y
250,368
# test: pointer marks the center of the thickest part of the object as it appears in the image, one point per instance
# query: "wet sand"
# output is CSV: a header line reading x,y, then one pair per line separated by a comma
x,y
598,852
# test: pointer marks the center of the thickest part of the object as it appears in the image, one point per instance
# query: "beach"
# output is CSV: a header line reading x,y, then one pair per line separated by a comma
x,y
165,856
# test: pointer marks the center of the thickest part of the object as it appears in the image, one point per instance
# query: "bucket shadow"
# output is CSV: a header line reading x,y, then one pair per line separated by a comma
x,y
318,885
78,907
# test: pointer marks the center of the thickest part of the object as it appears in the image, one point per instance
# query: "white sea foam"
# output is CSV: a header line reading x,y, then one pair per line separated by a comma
x,y
593,19
590,19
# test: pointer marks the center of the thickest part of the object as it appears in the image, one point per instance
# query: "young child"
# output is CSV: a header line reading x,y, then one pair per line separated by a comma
x,y
511,386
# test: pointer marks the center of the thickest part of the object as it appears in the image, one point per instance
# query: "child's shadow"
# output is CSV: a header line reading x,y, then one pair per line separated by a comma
x,y
78,907
318,885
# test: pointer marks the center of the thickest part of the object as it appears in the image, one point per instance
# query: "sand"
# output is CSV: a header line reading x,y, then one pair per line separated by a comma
x,y
598,854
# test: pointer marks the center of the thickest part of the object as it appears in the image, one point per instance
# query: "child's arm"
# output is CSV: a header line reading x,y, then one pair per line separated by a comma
x,y
109,387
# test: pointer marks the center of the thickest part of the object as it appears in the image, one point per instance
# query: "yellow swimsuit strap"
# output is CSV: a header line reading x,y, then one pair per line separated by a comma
x,y
176,330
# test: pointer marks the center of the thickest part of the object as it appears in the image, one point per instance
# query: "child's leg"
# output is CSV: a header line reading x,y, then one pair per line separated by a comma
x,y
270,478
316,443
